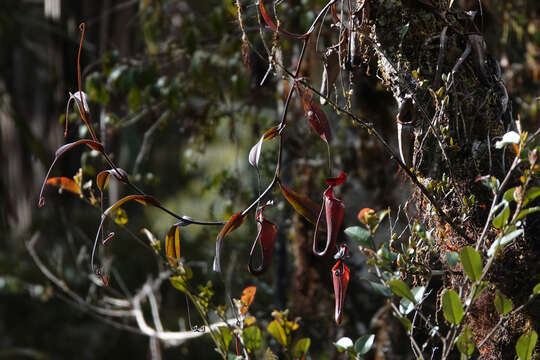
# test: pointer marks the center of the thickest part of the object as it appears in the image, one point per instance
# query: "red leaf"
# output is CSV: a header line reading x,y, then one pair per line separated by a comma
x,y
337,181
340,277
65,183
102,179
268,20
303,205
248,296
266,234
316,117
235,221
142,199
62,150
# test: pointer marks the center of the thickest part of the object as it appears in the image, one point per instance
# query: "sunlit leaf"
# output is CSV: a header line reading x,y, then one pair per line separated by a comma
x,y
252,338
65,183
401,289
62,150
452,307
525,345
501,219
472,263
364,343
503,304
276,330
343,344
248,296
142,199
303,205
510,137
234,222
179,283
225,337
527,211
359,234
405,305
172,245
301,348
102,179
536,289
255,152
530,195
503,241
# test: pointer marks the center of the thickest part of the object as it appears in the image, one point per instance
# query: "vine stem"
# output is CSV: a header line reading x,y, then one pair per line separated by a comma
x,y
393,155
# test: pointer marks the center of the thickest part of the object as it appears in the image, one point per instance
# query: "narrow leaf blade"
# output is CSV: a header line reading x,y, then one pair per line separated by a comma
x,y
303,205
65,183
234,222
525,345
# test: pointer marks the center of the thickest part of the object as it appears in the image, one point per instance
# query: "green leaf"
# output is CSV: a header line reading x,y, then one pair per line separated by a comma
x,y
359,234
536,289
503,241
525,345
500,220
465,342
472,263
401,289
252,338
225,337
503,304
406,306
276,330
344,344
530,195
364,344
526,212
381,289
509,194
452,307
179,282
452,258
407,324
301,347
478,289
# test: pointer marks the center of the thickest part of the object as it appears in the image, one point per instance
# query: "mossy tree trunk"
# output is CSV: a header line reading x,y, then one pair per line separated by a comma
x,y
434,60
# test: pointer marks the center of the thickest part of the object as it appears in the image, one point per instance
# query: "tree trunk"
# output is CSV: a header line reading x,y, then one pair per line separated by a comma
x,y
434,61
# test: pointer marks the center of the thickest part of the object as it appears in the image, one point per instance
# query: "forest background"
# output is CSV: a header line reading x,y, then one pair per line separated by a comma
x,y
179,92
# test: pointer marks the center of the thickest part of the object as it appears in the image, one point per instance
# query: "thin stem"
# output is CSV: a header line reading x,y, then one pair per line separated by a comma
x,y
82,26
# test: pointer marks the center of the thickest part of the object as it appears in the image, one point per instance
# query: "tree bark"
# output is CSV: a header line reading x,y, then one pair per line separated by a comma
x,y
453,124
